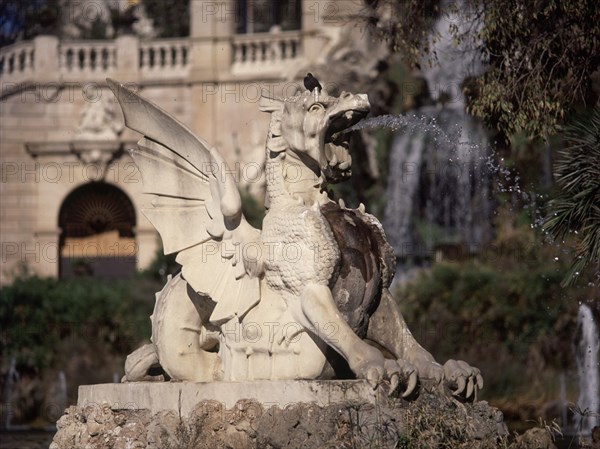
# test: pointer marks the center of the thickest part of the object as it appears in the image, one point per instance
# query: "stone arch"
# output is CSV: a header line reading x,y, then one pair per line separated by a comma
x,y
97,222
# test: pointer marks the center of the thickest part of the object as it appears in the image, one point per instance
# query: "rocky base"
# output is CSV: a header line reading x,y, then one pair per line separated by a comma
x,y
430,421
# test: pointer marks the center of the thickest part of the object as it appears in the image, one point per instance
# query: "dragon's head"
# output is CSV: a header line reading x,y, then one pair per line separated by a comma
x,y
310,124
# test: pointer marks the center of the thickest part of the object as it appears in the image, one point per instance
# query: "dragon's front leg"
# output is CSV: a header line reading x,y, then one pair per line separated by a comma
x,y
388,329
317,310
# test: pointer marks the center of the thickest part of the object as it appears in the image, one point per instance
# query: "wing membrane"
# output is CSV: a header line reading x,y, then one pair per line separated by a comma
x,y
196,209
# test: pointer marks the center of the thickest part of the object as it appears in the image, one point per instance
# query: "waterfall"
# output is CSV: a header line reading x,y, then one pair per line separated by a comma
x,y
62,391
405,165
11,377
563,400
588,371
438,185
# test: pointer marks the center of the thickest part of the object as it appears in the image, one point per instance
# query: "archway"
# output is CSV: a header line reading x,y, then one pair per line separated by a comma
x,y
97,222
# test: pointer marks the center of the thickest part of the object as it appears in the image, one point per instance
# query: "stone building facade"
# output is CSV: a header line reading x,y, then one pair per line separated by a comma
x,y
71,197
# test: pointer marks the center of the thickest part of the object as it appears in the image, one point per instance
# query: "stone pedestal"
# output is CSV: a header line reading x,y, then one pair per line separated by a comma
x,y
183,397
271,414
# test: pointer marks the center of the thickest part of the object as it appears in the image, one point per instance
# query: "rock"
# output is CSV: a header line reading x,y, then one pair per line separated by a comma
x,y
430,421
536,438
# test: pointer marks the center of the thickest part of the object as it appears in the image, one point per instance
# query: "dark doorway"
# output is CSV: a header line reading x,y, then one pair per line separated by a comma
x,y
97,222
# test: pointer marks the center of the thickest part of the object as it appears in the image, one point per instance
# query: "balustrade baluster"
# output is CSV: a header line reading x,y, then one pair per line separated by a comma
x,y
21,60
82,59
236,54
93,59
151,58
174,56
276,51
163,57
104,59
69,59
262,47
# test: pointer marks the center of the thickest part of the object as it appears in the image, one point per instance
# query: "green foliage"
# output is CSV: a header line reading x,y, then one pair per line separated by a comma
x,y
504,312
541,56
170,19
576,210
37,314
404,25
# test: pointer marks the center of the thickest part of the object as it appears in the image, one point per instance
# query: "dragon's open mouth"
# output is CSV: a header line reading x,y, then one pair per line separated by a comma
x,y
337,144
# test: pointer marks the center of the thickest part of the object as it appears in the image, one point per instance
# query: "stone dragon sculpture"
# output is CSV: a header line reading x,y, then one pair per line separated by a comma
x,y
305,298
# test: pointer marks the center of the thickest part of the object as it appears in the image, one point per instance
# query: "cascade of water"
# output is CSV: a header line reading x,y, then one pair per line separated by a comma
x,y
406,168
588,370
11,377
62,390
563,400
438,183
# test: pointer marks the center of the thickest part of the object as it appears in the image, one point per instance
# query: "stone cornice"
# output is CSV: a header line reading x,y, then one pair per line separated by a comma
x,y
87,151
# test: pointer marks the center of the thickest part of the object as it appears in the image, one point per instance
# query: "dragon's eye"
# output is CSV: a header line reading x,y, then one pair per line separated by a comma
x,y
316,107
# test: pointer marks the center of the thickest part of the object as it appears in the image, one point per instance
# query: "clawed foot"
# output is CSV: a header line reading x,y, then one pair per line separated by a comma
x,y
462,379
401,375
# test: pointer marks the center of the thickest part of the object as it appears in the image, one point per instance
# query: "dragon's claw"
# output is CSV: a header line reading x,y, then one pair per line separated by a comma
x,y
401,374
462,379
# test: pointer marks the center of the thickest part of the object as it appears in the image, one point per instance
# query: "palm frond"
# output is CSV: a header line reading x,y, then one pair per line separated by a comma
x,y
576,210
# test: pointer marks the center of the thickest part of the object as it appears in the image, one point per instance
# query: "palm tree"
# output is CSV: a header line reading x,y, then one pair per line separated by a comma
x,y
577,208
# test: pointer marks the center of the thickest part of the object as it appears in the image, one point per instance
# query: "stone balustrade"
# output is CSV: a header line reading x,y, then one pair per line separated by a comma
x,y
87,59
165,58
17,61
46,59
266,49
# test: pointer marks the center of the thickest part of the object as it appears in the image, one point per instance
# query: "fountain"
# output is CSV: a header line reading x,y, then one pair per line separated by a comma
x,y
263,323
587,353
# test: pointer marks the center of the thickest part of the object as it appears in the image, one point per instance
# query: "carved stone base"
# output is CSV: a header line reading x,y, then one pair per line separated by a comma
x,y
183,397
274,414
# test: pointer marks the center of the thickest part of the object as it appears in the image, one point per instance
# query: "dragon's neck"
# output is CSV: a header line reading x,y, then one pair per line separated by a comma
x,y
288,179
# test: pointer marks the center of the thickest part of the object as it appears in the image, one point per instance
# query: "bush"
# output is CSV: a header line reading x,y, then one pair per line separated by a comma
x,y
81,328
36,314
507,315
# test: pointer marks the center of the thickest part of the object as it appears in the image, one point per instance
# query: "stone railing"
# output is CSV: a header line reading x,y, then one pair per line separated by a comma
x,y
46,59
263,50
17,61
87,59
164,58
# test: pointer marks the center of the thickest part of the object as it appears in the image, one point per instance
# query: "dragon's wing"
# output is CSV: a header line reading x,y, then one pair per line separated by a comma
x,y
196,205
